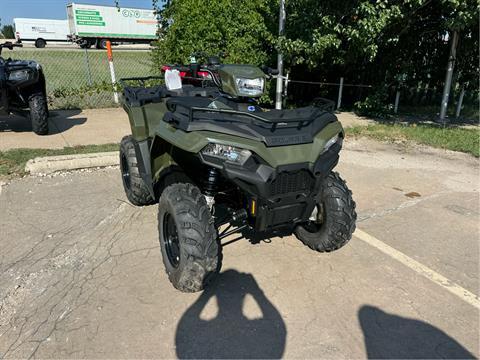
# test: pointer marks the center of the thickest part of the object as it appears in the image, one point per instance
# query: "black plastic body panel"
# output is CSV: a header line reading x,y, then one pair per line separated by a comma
x,y
273,128
285,196
142,152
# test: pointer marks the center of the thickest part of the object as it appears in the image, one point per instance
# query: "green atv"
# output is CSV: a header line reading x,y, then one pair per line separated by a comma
x,y
221,166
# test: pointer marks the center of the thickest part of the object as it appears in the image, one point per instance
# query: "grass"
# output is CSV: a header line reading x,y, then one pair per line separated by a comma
x,y
451,138
12,162
470,110
70,69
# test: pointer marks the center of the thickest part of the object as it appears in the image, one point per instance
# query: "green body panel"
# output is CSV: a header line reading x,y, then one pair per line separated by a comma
x,y
193,142
161,163
275,156
228,74
138,115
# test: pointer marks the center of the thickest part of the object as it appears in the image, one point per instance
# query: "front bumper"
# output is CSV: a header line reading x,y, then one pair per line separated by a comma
x,y
280,198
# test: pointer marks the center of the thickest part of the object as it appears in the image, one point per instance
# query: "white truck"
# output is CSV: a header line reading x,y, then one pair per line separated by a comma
x,y
94,25
41,31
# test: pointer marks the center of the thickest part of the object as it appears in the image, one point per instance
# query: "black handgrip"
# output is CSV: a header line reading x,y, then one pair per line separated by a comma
x,y
268,70
183,68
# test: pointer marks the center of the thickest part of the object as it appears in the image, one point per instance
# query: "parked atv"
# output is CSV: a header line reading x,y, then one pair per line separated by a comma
x,y
192,74
22,86
221,165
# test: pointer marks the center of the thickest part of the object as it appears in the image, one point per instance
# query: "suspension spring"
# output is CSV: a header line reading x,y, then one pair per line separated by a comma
x,y
211,182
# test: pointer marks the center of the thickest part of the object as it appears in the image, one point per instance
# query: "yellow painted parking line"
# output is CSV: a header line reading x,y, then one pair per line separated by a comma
x,y
419,268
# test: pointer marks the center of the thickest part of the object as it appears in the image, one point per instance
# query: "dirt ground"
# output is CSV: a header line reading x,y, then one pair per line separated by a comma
x,y
81,274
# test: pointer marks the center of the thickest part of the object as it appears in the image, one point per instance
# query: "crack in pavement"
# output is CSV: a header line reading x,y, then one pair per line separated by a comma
x,y
62,280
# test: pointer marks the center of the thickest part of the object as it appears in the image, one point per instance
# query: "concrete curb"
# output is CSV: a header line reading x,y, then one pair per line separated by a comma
x,y
51,164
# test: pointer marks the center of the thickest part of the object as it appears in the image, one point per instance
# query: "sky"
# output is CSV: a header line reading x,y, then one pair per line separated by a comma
x,y
54,9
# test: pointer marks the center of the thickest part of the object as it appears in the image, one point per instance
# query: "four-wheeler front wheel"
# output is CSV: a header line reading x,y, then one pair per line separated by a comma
x,y
135,188
333,220
188,238
38,113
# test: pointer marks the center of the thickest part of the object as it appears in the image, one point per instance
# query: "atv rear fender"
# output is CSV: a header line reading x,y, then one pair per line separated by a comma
x,y
144,119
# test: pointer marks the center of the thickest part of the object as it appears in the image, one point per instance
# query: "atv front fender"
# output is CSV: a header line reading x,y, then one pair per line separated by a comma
x,y
194,142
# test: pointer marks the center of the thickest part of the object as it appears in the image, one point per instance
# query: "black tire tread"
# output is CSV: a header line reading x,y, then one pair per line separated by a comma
x,y
200,250
341,218
38,113
138,193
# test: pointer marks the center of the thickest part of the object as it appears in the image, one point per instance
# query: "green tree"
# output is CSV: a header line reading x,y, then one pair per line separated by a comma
x,y
382,43
8,32
241,29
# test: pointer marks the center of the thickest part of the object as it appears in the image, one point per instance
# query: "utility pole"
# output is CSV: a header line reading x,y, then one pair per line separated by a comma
x,y
281,29
448,76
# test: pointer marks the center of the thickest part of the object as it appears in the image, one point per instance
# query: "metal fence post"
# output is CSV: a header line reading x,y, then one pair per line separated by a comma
x,y
112,70
460,102
397,100
285,89
448,76
281,29
87,68
340,90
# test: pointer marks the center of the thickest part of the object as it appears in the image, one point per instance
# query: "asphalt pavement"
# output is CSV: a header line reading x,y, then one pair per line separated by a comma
x,y
81,274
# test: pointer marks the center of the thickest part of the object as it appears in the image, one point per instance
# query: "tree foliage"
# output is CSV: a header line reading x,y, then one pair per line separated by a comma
x,y
8,32
239,28
378,42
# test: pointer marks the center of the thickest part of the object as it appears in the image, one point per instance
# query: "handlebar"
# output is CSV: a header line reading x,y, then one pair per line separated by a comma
x,y
9,45
269,71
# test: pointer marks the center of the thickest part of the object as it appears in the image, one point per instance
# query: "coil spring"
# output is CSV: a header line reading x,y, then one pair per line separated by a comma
x,y
211,182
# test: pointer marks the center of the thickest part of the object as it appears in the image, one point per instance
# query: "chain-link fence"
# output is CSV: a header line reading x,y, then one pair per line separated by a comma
x,y
421,101
80,78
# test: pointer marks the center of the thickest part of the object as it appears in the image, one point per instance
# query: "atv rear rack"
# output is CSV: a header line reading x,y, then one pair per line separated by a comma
x,y
144,94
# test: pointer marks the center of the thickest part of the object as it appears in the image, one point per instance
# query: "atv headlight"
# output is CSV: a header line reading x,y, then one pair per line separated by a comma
x,y
19,75
228,153
250,87
331,142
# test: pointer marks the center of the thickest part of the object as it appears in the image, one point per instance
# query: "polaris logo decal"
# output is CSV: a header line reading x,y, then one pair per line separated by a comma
x,y
283,140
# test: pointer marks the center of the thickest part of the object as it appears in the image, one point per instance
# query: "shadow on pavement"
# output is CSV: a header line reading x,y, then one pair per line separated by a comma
x,y
59,122
390,336
230,334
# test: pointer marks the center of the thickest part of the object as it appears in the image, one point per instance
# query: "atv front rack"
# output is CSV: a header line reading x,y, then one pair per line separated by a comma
x,y
185,110
274,128
243,117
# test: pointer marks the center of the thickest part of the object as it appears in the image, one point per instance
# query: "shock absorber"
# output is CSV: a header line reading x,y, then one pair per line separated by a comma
x,y
211,182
